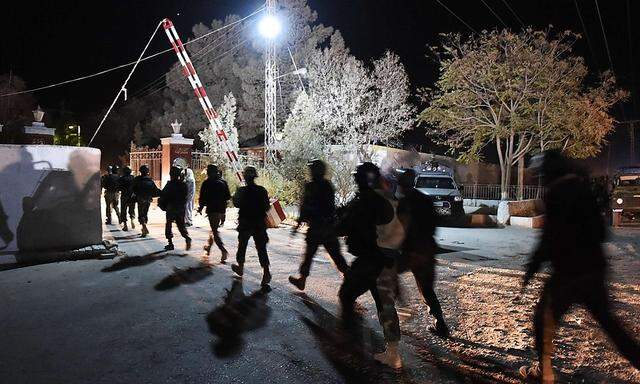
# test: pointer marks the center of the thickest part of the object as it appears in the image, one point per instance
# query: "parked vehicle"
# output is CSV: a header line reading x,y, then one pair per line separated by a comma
x,y
625,199
438,183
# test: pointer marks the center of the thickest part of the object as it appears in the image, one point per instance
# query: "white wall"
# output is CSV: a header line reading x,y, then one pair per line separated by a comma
x,y
60,189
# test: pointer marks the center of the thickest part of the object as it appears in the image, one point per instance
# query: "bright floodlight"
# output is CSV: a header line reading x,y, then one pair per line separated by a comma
x,y
269,27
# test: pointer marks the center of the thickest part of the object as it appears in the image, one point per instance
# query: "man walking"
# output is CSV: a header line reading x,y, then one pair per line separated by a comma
x,y
214,195
358,223
418,216
127,201
253,203
172,200
318,209
571,241
110,185
144,190
190,180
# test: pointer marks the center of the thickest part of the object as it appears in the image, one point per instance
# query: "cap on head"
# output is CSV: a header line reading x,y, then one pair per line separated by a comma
x,y
212,170
250,173
367,174
317,168
126,170
144,170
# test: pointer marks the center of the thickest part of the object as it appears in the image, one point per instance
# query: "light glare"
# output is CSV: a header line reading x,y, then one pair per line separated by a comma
x,y
269,27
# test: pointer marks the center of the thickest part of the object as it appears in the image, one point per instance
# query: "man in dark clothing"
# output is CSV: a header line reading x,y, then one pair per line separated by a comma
x,y
358,221
214,194
572,242
110,185
173,199
144,190
418,216
253,203
127,201
318,209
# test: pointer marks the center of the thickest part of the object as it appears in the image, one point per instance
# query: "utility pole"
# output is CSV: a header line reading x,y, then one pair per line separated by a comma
x,y
632,140
270,74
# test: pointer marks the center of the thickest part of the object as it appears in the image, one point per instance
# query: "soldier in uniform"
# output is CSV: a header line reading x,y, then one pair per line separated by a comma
x,y
253,203
318,210
144,190
127,200
173,200
571,241
214,195
110,186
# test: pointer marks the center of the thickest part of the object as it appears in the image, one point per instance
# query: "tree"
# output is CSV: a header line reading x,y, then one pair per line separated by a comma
x,y
232,60
301,140
517,91
208,136
359,105
17,108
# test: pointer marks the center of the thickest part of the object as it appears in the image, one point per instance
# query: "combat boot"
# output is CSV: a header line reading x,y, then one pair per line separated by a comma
x,y
391,357
125,228
238,269
298,282
169,247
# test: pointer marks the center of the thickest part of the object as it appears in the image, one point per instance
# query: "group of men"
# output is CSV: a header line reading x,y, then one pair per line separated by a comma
x,y
389,227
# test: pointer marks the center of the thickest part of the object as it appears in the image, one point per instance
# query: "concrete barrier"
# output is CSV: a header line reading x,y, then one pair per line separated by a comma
x,y
527,222
49,198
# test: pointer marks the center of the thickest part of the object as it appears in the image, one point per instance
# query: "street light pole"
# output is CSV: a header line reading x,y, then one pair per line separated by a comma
x,y
270,74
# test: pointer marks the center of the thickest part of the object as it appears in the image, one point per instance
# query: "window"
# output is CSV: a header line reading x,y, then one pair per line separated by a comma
x,y
435,182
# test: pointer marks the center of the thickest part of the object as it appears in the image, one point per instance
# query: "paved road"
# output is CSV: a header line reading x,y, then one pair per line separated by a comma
x,y
155,317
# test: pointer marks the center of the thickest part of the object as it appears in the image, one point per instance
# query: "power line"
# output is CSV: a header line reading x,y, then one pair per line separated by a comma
x,y
131,63
514,14
197,56
586,34
456,16
606,42
494,14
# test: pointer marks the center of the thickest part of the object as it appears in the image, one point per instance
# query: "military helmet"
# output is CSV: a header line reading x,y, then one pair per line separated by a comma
x,y
367,174
317,167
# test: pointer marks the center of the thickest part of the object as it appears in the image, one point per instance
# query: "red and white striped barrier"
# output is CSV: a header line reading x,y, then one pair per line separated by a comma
x,y
276,214
213,117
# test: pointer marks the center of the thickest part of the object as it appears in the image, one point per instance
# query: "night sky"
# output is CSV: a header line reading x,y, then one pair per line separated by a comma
x,y
50,41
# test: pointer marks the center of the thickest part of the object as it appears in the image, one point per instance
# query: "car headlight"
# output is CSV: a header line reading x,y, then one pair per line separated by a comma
x,y
457,198
619,201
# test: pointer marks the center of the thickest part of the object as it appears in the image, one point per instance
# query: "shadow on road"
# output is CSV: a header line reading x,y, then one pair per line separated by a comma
x,y
237,315
184,276
139,261
349,350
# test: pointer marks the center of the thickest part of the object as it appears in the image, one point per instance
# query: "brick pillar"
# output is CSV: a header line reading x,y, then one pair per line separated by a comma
x,y
174,147
37,133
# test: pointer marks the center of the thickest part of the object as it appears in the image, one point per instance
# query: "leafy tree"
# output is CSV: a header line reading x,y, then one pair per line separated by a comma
x,y
521,92
208,136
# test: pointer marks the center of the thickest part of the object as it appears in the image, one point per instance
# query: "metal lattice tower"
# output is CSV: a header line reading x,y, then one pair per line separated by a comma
x,y
270,74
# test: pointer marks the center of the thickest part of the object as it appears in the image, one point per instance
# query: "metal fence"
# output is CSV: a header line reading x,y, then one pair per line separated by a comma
x,y
152,157
494,192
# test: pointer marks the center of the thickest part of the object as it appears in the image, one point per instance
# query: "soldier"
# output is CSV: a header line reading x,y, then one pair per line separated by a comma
x,y
318,210
390,238
127,200
214,194
144,190
173,200
358,221
110,185
417,214
190,180
253,203
572,242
